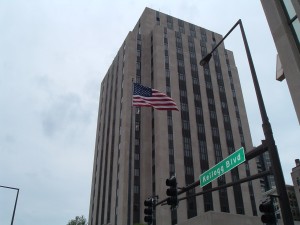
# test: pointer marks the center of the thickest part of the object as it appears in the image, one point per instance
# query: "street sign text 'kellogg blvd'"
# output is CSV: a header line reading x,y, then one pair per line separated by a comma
x,y
223,167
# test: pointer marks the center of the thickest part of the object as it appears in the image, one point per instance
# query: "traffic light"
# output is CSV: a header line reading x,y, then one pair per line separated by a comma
x,y
268,211
149,203
172,192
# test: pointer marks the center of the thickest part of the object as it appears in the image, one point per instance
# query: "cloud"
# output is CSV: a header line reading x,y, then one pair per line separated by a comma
x,y
62,113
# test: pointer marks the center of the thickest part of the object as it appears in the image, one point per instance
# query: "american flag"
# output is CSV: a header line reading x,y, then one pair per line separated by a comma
x,y
145,96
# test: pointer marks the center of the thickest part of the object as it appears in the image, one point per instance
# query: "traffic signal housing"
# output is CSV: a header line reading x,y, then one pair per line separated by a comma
x,y
148,211
268,211
172,192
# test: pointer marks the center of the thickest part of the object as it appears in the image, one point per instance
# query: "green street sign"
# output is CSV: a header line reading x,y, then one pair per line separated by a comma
x,y
223,167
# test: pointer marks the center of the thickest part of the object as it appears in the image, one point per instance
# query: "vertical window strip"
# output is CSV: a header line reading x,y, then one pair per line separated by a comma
x,y
251,192
119,141
223,197
110,84
153,131
112,142
172,169
137,133
238,197
191,202
207,198
100,148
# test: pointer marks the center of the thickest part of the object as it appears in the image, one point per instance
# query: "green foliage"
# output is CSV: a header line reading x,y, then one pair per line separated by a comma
x,y
79,220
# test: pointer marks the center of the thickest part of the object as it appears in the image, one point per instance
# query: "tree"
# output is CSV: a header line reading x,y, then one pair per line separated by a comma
x,y
79,220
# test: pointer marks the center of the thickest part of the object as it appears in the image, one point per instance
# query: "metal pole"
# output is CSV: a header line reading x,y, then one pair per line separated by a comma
x,y
243,180
13,216
12,220
287,216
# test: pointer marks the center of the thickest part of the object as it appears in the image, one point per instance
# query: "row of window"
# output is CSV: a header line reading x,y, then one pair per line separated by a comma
x,y
187,147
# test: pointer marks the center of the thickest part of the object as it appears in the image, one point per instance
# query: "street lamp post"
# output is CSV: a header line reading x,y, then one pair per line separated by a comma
x,y
287,216
13,216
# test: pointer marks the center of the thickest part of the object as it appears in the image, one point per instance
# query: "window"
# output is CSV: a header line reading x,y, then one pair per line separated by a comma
x,y
184,107
170,121
169,22
167,73
137,126
215,132
195,81
183,93
211,101
136,189
138,65
136,172
181,29
226,119
187,152
292,20
213,114
197,97
172,168
187,143
224,105
199,111
203,50
206,71
208,85
193,55
228,135
180,63
200,128
189,171
221,89
185,125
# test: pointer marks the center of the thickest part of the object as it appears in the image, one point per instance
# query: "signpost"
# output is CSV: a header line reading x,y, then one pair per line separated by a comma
x,y
223,167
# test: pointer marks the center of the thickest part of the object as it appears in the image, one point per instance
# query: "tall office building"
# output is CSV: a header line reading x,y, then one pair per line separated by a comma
x,y
283,18
137,149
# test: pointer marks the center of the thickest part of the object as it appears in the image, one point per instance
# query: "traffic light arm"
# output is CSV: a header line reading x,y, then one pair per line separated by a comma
x,y
193,185
253,177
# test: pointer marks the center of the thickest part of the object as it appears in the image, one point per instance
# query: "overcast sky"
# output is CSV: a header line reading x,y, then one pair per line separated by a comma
x,y
53,56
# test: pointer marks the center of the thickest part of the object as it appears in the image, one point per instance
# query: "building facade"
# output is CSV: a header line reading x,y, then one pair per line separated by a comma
x,y
137,149
296,179
292,199
283,18
264,163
